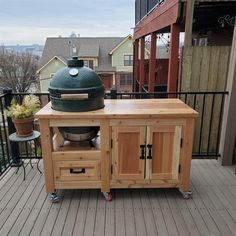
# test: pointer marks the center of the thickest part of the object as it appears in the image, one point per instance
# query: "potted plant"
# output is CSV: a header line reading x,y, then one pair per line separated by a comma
x,y
22,114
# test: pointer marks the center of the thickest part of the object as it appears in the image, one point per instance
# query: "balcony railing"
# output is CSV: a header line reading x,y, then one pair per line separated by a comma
x,y
143,8
208,126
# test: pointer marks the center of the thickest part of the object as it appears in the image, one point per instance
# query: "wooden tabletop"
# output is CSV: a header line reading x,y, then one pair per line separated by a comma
x,y
126,108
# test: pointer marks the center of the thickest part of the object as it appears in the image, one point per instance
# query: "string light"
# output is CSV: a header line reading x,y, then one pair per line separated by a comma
x,y
165,40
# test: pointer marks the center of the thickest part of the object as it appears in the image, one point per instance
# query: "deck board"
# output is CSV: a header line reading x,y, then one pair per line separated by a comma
x,y
110,228
119,213
72,213
100,217
81,214
25,208
176,212
139,216
167,215
62,214
209,198
157,213
148,213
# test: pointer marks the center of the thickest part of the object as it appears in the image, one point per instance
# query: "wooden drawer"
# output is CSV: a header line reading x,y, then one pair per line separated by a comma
x,y
76,170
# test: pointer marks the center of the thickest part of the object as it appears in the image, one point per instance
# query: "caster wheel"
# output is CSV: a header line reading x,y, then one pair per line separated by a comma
x,y
54,198
107,196
186,195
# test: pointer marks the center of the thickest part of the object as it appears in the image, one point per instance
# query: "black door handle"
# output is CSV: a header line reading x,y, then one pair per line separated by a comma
x,y
142,157
149,146
82,171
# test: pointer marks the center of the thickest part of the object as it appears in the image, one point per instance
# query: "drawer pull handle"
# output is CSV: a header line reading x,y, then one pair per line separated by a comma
x,y
149,146
142,147
82,171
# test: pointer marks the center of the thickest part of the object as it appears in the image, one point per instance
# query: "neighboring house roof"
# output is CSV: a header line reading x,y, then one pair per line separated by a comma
x,y
89,50
63,60
123,41
85,47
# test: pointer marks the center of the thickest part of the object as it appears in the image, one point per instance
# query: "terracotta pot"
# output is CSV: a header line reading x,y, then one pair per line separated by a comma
x,y
24,127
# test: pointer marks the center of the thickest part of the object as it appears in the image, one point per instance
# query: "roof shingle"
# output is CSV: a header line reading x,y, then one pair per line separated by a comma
x,y
85,47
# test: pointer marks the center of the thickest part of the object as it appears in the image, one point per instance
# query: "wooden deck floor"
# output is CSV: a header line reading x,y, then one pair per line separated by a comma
x,y
25,208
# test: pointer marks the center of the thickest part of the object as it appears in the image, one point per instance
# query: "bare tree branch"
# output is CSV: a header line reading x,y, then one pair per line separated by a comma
x,y
18,70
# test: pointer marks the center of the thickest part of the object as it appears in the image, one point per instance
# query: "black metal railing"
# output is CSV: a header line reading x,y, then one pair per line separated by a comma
x,y
210,107
145,7
11,153
207,131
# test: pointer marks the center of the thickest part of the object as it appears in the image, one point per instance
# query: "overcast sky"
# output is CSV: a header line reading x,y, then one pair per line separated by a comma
x,y
32,21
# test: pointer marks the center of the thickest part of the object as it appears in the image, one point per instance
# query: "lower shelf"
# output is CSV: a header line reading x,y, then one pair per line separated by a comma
x,y
78,184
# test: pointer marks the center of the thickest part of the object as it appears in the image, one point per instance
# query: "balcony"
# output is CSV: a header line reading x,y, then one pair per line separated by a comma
x,y
25,208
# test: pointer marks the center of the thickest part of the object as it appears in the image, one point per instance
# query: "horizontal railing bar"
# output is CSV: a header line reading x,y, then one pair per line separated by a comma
x,y
134,93
153,93
206,155
37,94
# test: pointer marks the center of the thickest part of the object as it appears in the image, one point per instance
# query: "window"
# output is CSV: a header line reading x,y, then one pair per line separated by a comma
x,y
128,60
88,63
91,64
122,79
129,79
126,79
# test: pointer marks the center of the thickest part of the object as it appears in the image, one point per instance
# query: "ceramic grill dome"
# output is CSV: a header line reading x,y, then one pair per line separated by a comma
x,y
76,88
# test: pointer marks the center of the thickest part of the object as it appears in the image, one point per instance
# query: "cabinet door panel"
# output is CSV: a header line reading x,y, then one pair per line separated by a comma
x,y
165,142
126,152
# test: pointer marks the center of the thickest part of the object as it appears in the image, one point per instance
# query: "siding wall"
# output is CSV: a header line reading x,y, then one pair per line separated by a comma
x,y
52,67
118,56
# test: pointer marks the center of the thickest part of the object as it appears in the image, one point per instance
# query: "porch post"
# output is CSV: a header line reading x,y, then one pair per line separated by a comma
x,y
188,23
113,79
142,72
136,64
228,131
152,63
173,59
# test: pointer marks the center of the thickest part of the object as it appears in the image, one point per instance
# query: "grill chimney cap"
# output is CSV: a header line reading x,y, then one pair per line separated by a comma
x,y
74,62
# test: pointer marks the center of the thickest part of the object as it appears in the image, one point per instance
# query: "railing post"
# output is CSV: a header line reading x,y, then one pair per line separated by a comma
x,y
11,129
113,93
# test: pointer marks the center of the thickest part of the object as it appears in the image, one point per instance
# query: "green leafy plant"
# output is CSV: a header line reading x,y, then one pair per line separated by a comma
x,y
29,106
38,151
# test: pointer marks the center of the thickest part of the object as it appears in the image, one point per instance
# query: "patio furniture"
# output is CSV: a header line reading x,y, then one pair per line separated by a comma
x,y
143,144
14,138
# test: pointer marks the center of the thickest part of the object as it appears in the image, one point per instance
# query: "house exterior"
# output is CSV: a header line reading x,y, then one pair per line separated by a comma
x,y
110,57
205,23
48,70
122,59
204,64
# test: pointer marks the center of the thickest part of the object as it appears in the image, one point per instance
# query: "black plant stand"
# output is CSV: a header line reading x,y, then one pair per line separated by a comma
x,y
14,138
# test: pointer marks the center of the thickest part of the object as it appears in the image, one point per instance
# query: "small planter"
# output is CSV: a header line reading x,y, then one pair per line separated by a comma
x,y
24,127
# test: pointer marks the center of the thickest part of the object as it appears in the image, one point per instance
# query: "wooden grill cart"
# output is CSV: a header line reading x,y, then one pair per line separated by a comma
x,y
143,143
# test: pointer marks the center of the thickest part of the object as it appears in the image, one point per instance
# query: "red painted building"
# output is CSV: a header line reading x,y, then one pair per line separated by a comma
x,y
155,18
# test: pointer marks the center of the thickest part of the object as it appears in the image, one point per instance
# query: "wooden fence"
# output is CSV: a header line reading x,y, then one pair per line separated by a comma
x,y
205,69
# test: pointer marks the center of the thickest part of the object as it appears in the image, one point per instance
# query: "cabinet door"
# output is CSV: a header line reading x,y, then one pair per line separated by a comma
x,y
126,152
165,151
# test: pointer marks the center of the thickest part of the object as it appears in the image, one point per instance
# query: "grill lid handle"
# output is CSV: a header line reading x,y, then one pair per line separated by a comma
x,y
78,96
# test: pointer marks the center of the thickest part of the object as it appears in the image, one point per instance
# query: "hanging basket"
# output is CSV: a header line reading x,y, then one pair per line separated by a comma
x,y
24,127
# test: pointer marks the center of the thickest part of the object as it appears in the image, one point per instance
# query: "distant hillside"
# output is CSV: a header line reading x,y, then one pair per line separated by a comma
x,y
34,49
